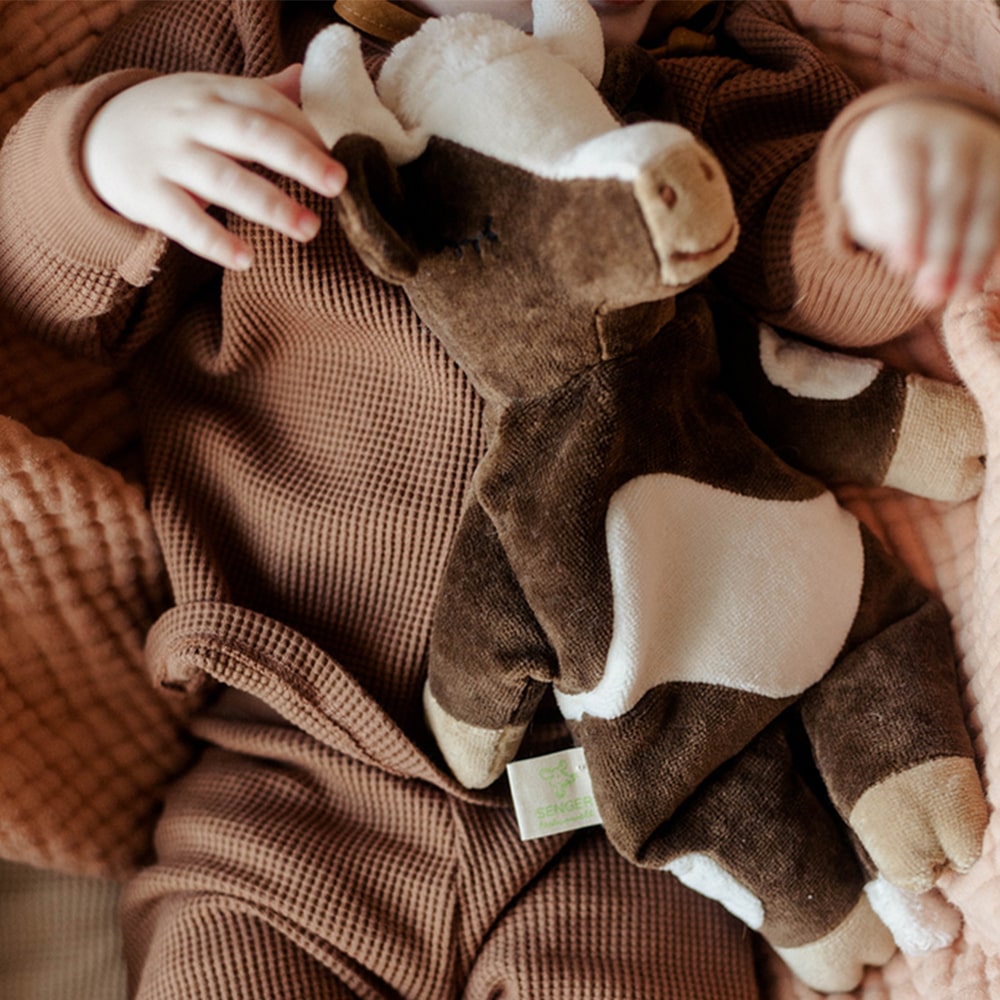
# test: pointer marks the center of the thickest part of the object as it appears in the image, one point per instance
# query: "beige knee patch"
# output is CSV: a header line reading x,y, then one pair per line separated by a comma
x,y
919,822
836,962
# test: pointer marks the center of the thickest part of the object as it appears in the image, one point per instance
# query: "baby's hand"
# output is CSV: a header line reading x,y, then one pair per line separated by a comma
x,y
160,152
921,184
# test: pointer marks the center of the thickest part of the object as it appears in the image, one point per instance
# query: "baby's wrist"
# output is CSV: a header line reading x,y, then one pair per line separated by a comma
x,y
58,200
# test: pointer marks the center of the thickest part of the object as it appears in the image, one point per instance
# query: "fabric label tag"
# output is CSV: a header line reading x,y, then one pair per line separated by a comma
x,y
552,794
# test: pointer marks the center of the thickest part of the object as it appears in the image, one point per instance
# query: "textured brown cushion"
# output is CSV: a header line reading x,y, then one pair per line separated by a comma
x,y
86,743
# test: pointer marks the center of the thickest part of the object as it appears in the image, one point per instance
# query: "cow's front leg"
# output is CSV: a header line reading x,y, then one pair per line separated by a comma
x,y
489,662
939,804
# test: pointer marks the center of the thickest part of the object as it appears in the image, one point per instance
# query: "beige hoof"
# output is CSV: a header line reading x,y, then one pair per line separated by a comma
x,y
476,756
836,962
919,822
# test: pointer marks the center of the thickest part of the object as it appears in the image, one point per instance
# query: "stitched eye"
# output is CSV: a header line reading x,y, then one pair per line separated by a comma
x,y
667,195
707,171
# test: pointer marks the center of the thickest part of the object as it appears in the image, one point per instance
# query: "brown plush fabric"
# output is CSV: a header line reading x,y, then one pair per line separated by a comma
x,y
528,593
515,273
305,532
821,438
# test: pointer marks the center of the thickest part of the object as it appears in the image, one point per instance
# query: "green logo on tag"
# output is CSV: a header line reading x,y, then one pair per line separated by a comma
x,y
558,778
552,794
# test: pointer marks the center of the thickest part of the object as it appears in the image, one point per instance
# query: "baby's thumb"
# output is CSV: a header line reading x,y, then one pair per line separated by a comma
x,y
288,82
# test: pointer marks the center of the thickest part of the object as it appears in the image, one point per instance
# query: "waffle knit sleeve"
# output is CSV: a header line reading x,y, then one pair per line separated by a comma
x,y
778,113
70,268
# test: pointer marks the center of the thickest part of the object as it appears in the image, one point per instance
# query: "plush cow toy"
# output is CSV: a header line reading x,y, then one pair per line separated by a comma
x,y
716,629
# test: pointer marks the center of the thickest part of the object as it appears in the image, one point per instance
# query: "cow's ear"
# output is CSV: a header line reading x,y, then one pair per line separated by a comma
x,y
636,88
372,209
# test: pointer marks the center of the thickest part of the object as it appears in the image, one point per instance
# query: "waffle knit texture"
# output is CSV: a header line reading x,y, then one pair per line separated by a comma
x,y
307,445
87,744
61,938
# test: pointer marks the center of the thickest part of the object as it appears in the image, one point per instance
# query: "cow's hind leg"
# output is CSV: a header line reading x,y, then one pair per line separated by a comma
x,y
889,737
759,836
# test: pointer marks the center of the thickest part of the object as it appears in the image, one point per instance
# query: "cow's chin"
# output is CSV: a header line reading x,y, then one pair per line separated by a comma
x,y
683,269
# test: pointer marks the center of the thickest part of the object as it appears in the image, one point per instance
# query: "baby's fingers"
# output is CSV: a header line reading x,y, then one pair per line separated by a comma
x,y
949,198
963,221
181,217
219,180
278,137
921,184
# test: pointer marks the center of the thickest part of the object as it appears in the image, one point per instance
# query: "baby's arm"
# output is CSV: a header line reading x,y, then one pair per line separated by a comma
x,y
163,150
73,269
920,183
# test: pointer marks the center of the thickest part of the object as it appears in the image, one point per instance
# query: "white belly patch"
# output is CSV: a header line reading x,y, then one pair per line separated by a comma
x,y
715,587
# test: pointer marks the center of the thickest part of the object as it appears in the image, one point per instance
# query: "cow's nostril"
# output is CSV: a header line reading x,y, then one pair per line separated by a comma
x,y
667,195
707,171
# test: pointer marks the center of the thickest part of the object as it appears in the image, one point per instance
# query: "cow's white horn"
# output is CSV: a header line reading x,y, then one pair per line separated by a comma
x,y
339,98
571,30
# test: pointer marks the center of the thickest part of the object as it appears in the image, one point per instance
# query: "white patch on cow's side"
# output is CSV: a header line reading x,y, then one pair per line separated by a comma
x,y
811,373
708,878
714,587
919,922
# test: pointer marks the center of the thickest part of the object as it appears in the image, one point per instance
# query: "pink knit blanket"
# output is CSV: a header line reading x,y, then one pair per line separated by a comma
x,y
86,745
955,549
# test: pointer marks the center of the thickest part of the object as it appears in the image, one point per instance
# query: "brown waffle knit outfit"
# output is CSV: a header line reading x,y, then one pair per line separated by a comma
x,y
307,446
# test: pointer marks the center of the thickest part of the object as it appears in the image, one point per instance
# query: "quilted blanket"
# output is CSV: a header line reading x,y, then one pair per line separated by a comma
x,y
954,549
86,745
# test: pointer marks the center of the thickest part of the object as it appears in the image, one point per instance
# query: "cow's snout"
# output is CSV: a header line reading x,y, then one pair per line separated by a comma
x,y
668,193
688,209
